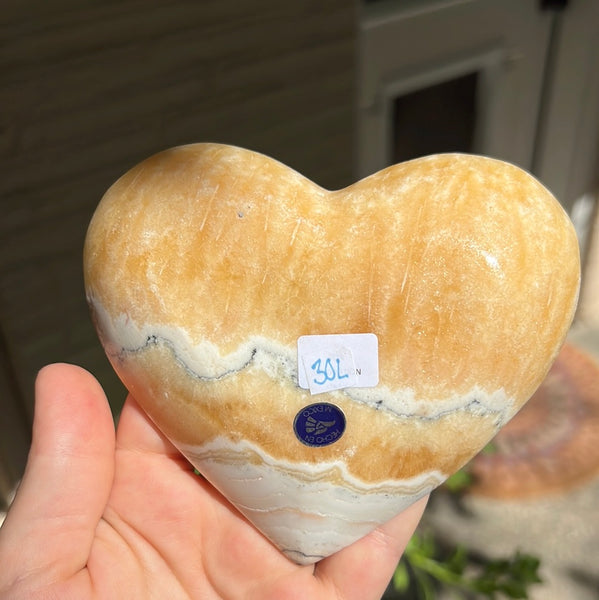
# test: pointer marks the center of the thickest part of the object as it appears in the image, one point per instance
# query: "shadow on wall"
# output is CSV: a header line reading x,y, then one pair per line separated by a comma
x,y
89,89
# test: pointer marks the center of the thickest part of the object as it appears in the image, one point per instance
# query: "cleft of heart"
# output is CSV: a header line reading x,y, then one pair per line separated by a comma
x,y
206,263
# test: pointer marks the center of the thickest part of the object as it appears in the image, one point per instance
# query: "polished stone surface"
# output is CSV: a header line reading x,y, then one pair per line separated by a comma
x,y
205,264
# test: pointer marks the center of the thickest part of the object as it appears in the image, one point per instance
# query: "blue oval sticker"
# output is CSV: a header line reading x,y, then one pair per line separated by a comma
x,y
319,424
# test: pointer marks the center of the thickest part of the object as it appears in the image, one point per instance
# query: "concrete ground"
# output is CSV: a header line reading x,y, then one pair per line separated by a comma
x,y
561,529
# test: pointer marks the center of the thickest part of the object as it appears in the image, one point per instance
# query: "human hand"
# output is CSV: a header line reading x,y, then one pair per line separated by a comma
x,y
105,515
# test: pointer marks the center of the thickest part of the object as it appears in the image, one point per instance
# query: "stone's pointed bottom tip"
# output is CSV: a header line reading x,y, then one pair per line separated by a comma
x,y
299,558
307,511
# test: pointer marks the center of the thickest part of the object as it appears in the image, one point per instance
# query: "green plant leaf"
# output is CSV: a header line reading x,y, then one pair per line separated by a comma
x,y
458,560
459,481
425,586
401,577
490,448
505,577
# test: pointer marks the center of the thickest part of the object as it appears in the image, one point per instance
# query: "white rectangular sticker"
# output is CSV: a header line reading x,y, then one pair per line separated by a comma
x,y
337,361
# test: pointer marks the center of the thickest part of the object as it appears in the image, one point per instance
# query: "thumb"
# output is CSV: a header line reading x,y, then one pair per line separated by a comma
x,y
49,529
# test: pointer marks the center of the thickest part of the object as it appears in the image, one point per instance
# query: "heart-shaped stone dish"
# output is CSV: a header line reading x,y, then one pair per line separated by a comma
x,y
205,264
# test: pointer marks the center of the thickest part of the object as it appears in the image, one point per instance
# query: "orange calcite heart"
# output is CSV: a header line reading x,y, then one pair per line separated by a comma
x,y
205,264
